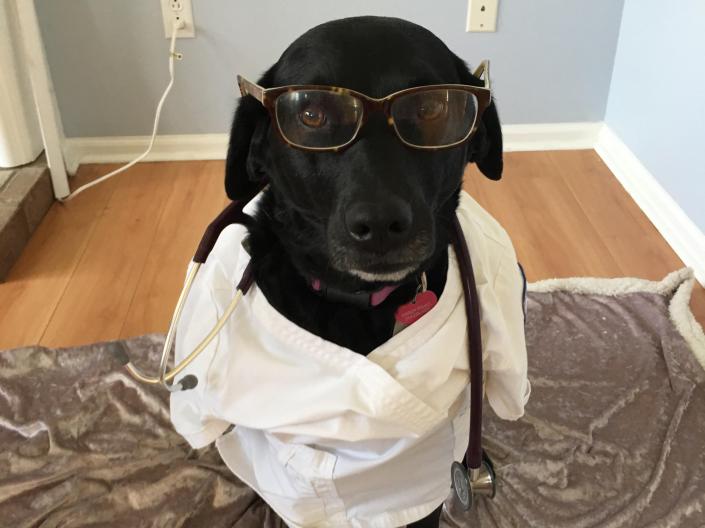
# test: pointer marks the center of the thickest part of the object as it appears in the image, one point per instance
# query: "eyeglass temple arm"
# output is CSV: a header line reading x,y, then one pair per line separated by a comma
x,y
483,69
250,88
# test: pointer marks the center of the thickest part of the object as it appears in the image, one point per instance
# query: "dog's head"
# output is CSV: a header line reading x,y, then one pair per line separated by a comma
x,y
378,210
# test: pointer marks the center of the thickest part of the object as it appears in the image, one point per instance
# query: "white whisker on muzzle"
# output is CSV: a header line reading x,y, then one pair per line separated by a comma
x,y
382,277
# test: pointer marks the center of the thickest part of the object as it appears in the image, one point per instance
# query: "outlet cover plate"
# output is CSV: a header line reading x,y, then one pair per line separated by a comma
x,y
482,15
171,9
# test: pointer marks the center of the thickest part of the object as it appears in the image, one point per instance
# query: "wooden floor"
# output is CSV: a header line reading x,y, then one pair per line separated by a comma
x,y
110,263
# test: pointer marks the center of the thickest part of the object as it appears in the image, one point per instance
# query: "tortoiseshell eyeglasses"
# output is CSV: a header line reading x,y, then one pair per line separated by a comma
x,y
328,118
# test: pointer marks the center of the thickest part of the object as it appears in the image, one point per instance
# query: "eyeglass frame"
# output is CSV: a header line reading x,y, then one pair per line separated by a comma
x,y
268,97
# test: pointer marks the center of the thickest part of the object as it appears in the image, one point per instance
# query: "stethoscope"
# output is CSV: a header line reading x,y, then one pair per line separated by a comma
x,y
477,479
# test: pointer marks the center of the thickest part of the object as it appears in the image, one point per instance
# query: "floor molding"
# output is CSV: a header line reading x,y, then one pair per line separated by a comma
x,y
550,136
117,149
681,233
121,149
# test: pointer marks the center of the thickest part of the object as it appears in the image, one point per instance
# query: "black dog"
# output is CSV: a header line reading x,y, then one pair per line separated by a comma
x,y
377,213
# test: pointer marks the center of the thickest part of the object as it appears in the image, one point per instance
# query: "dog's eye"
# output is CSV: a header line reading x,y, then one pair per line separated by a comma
x,y
431,109
313,117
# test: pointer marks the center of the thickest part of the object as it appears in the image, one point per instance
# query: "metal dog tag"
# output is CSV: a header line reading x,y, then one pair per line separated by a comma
x,y
420,305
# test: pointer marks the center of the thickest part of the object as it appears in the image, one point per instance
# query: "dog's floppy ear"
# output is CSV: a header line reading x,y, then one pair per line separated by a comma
x,y
245,164
485,148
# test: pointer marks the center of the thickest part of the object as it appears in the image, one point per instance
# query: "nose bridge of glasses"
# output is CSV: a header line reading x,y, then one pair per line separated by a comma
x,y
373,107
370,105
377,119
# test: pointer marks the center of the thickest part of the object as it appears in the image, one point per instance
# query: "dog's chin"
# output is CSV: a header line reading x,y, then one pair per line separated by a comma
x,y
383,276
392,267
382,271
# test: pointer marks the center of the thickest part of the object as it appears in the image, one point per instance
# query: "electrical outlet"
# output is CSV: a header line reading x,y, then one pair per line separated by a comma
x,y
178,11
482,15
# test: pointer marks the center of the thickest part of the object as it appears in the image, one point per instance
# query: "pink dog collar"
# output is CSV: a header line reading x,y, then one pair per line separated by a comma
x,y
362,299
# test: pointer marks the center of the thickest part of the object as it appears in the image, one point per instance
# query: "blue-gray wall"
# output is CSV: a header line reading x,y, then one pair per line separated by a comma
x,y
657,99
551,59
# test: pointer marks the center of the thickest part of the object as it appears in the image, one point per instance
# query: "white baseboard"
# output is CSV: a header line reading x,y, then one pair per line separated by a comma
x,y
686,239
119,149
550,136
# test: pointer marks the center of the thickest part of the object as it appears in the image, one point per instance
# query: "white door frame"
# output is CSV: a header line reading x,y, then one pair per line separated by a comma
x,y
44,99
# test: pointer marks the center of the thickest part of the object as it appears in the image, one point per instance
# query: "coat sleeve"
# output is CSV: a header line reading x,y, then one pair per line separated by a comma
x,y
192,421
500,287
502,306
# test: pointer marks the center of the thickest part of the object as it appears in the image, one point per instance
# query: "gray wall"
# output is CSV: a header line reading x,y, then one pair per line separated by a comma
x,y
657,100
551,59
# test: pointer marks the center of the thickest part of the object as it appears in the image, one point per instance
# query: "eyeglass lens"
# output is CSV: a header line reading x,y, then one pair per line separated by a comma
x,y
328,119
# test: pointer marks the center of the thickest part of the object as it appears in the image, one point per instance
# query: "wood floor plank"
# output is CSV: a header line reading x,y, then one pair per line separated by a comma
x,y
546,222
505,206
605,202
626,231
35,285
641,256
631,238
184,218
98,295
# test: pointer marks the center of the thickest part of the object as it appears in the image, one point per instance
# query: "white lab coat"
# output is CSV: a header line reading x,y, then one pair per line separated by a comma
x,y
331,438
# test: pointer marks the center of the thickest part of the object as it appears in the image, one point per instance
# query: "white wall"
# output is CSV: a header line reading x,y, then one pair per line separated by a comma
x,y
551,59
656,102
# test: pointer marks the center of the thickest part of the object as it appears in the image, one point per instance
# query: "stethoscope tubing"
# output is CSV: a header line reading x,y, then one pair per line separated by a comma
x,y
473,455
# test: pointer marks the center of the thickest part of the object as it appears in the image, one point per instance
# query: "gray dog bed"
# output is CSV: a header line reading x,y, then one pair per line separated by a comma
x,y
613,436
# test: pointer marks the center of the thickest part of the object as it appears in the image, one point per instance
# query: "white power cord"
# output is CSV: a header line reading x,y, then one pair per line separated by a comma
x,y
172,55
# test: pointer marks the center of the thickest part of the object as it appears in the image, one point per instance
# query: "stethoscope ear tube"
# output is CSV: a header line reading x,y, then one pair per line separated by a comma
x,y
171,333
189,381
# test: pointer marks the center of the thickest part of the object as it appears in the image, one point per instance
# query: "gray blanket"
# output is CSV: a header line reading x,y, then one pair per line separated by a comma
x,y
613,436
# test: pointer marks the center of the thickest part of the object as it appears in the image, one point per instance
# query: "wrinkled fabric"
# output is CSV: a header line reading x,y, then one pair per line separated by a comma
x,y
613,435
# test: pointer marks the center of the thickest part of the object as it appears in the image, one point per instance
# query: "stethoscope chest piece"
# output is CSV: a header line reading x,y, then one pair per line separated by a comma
x,y
469,483
461,485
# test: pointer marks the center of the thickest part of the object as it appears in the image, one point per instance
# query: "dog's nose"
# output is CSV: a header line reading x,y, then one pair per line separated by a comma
x,y
379,224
